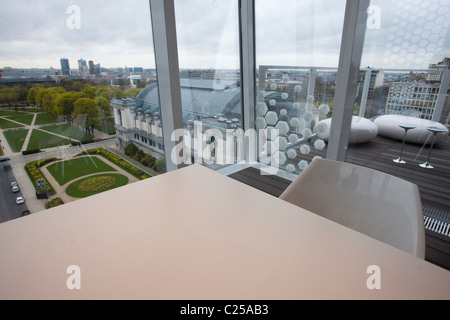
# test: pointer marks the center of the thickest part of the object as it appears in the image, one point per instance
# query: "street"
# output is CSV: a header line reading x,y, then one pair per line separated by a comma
x,y
9,210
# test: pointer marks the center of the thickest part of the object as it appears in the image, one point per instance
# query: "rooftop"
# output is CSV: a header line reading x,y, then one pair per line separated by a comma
x,y
434,184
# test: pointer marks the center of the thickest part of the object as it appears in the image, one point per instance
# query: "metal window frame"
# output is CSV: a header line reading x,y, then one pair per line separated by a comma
x,y
248,65
166,58
355,23
168,73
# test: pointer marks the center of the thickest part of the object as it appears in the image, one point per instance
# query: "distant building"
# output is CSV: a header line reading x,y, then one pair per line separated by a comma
x,y
97,68
83,67
91,67
217,104
65,67
412,96
436,75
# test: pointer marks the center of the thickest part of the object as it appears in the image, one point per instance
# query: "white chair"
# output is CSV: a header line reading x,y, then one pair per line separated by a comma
x,y
371,202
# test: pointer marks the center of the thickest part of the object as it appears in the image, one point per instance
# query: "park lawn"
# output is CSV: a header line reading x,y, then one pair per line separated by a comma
x,y
4,112
43,140
69,170
26,119
45,118
16,138
6,124
73,190
35,110
68,131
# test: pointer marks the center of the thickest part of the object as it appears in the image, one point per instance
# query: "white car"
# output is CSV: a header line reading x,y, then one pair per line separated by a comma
x,y
15,189
20,200
14,184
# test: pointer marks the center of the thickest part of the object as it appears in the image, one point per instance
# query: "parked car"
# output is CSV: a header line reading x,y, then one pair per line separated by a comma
x,y
26,212
4,159
20,200
14,184
15,189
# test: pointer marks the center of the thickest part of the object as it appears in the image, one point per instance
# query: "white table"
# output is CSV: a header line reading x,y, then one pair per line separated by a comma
x,y
196,234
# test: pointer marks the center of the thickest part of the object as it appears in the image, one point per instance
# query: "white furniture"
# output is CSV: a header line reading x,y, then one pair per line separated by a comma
x,y
196,234
405,127
388,126
435,131
374,203
362,130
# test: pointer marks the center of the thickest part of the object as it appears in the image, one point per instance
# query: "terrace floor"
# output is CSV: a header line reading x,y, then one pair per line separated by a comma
x,y
434,184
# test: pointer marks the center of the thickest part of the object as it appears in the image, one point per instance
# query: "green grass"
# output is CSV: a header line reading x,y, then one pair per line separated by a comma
x,y
69,170
35,110
73,191
45,118
16,138
26,119
68,131
4,112
6,124
43,140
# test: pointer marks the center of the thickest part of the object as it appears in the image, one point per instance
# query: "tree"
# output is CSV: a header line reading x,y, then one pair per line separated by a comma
x,y
9,96
161,165
89,92
49,97
65,104
104,108
31,96
85,114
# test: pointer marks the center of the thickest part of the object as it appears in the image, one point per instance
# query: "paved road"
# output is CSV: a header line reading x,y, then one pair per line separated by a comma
x,y
9,210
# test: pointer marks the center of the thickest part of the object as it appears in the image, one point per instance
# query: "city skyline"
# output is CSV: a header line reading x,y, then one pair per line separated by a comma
x,y
298,33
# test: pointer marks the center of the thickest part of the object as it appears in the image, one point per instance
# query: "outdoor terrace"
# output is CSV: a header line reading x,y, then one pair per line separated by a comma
x,y
434,184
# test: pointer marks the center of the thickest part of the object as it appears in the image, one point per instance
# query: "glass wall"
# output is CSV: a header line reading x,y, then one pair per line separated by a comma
x,y
209,61
72,82
404,87
297,54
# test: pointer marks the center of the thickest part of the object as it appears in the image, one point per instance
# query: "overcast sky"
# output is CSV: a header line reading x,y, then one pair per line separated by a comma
x,y
117,33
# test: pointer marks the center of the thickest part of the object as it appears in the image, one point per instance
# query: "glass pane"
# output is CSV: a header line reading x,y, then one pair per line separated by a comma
x,y
297,54
404,82
208,48
70,83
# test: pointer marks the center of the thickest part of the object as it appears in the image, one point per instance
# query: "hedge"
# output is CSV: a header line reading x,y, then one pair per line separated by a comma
x,y
138,173
32,169
54,203
26,152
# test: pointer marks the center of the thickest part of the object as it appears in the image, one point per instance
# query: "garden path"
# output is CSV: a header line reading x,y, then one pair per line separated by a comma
x,y
61,190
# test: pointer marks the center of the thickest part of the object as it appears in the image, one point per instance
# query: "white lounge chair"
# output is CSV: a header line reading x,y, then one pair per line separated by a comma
x,y
371,202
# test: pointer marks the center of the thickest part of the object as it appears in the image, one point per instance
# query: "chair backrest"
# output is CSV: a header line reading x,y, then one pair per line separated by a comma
x,y
374,203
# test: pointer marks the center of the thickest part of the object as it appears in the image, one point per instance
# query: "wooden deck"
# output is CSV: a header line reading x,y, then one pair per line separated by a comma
x,y
434,184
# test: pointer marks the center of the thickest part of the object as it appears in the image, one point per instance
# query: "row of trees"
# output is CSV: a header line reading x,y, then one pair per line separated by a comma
x,y
85,105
